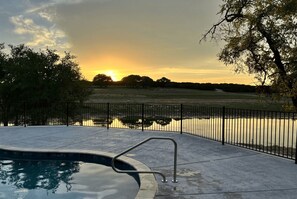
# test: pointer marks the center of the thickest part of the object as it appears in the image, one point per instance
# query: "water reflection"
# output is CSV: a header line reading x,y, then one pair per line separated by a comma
x,y
101,121
134,122
265,133
46,175
25,179
163,121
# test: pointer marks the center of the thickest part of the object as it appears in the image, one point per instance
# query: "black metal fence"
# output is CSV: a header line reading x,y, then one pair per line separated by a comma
x,y
265,131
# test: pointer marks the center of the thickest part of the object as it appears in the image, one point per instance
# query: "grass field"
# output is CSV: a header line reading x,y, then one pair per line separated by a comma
x,y
183,96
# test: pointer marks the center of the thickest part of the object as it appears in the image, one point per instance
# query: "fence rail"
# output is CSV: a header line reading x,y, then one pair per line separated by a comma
x,y
265,131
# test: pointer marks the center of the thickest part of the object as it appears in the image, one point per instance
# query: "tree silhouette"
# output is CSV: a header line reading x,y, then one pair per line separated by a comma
x,y
132,80
147,81
163,82
41,79
134,122
102,80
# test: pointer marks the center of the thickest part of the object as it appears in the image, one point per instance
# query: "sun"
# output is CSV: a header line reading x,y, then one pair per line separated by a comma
x,y
112,74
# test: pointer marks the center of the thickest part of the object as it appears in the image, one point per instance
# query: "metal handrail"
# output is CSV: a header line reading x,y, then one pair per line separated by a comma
x,y
154,172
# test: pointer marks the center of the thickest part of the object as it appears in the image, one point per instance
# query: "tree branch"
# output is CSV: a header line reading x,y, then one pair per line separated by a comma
x,y
212,30
229,17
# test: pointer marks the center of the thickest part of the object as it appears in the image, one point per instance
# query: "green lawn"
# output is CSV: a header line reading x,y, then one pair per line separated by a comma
x,y
183,96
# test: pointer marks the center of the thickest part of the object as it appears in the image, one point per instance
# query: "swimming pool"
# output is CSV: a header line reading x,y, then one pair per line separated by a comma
x,y
32,179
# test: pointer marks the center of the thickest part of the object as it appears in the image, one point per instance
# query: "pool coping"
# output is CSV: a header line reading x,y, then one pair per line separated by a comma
x,y
148,184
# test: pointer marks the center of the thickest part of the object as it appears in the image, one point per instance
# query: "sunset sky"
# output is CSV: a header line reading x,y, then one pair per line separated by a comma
x,y
155,38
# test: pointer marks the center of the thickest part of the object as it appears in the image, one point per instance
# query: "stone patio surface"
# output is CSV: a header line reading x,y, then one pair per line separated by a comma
x,y
205,170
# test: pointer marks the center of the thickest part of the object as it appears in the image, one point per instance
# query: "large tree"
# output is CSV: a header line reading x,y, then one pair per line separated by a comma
x,y
132,80
147,82
261,38
136,81
163,82
102,80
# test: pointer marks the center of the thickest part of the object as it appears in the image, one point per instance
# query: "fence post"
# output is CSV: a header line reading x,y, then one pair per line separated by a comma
x,y
295,146
142,117
181,118
67,114
107,118
296,151
24,119
223,126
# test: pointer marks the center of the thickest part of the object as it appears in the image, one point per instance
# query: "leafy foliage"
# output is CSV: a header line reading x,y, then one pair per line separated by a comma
x,y
261,38
132,80
39,79
147,82
163,82
102,80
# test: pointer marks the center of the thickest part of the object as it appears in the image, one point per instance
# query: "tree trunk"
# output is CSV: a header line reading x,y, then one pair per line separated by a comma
x,y
294,101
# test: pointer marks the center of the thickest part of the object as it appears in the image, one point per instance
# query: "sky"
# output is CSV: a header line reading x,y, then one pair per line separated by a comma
x,y
155,38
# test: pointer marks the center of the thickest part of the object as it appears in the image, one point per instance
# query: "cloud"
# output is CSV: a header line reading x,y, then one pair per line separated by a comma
x,y
44,4
40,36
152,32
151,37
46,15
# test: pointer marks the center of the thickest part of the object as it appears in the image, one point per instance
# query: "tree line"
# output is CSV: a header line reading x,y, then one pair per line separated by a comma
x,y
137,81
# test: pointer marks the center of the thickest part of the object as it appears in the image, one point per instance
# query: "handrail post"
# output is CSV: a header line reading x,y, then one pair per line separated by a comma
x,y
175,162
223,126
181,118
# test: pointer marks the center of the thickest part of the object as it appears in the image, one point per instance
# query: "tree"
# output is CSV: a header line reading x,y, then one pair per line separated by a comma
x,y
147,81
163,82
132,80
261,38
102,80
39,79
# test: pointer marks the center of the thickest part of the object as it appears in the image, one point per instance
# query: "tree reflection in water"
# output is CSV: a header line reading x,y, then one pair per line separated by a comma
x,y
29,174
163,121
101,122
136,121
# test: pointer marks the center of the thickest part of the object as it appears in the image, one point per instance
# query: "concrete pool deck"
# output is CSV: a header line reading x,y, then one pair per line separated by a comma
x,y
206,169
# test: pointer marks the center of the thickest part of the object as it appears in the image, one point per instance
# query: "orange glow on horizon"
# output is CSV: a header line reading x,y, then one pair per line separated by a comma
x,y
112,74
114,66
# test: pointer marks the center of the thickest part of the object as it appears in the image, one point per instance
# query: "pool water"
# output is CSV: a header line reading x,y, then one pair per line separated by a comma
x,y
31,179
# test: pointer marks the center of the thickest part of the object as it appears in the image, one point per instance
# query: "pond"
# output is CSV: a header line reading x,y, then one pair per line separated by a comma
x,y
278,134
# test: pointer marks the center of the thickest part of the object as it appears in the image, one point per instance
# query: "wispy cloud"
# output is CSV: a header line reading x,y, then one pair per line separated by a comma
x,y
40,36
37,24
36,7
48,16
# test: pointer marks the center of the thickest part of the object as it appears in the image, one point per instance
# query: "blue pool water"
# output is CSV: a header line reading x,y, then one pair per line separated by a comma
x,y
31,179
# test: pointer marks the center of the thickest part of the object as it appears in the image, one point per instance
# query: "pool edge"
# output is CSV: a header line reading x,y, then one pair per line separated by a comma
x,y
148,184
